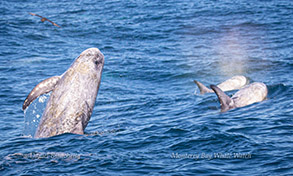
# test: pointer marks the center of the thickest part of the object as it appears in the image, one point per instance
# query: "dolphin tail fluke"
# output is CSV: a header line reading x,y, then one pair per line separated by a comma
x,y
43,87
203,89
226,102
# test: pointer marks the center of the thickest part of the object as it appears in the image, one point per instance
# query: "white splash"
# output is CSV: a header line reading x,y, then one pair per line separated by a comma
x,y
33,114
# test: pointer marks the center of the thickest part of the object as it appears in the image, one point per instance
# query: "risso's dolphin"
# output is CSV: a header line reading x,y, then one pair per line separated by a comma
x,y
234,83
73,96
247,95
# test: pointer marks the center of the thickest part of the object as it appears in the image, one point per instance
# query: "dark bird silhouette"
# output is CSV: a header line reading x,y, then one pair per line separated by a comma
x,y
44,19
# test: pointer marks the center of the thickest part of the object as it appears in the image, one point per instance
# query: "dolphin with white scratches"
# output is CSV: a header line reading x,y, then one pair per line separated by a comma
x,y
73,96
234,83
252,93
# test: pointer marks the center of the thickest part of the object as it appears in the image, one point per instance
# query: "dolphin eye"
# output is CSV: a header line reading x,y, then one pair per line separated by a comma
x,y
97,62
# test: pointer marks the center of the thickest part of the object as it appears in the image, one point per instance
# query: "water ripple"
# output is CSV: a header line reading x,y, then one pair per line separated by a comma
x,y
149,118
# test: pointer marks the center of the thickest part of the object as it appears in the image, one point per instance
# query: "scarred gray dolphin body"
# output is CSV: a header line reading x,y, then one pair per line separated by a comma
x,y
234,83
73,96
247,95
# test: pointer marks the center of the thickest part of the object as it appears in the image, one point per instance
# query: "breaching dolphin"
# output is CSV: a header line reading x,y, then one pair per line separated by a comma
x,y
247,95
236,82
73,96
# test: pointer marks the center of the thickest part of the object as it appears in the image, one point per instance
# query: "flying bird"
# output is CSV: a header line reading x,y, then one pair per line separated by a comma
x,y
44,19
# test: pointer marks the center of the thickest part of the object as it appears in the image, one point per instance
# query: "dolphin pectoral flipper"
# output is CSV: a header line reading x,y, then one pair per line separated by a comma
x,y
203,89
43,87
226,102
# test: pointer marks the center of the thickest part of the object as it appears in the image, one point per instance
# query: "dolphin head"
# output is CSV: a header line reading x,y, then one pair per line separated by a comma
x,y
86,71
90,60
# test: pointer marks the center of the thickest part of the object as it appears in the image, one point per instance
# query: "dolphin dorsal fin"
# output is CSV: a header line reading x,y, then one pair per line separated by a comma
x,y
43,87
226,102
203,89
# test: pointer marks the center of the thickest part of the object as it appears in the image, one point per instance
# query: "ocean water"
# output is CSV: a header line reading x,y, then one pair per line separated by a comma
x,y
149,118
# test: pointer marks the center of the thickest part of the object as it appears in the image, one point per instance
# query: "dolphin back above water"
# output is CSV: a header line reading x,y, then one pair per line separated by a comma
x,y
73,96
247,95
234,83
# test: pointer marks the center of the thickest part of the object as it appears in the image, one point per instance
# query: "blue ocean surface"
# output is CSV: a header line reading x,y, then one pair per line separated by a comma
x,y
149,118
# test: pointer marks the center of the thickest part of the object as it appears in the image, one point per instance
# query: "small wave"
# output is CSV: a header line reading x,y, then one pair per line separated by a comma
x,y
278,90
